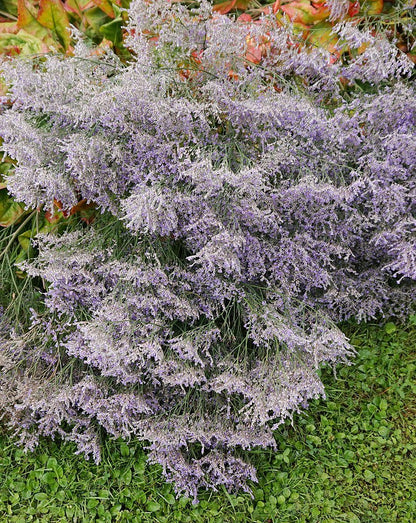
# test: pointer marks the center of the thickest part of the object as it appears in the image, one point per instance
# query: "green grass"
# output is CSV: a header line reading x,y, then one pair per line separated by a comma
x,y
349,458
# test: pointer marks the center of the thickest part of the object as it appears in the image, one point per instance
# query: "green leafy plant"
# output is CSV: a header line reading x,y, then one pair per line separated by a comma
x,y
28,27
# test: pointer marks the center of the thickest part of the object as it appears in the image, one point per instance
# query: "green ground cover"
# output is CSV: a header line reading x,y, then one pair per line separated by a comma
x,y
349,458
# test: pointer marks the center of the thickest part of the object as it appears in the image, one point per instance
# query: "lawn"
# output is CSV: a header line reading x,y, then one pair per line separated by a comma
x,y
348,458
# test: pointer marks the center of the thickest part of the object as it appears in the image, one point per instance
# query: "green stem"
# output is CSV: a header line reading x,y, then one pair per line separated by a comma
x,y
8,15
16,233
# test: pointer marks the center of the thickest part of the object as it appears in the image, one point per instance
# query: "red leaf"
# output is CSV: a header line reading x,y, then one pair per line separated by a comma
x,y
25,13
229,5
52,15
354,8
78,6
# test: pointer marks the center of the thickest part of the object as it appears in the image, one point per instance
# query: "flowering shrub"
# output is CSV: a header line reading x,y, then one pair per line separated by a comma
x,y
238,225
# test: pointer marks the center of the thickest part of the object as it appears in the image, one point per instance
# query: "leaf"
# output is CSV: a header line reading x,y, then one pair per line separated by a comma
x,y
124,449
5,167
170,498
306,13
52,15
54,217
115,509
384,432
96,18
41,496
9,6
105,5
26,13
368,475
153,506
9,27
22,44
24,240
78,6
92,503
126,477
383,404
321,35
112,31
26,19
52,463
390,328
82,206
349,456
354,8
10,211
226,7
373,7
49,478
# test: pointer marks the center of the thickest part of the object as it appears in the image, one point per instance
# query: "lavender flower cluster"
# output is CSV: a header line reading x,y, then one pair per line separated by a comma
x,y
239,225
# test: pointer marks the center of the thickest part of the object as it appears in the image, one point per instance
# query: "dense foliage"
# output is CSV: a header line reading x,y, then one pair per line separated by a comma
x,y
29,27
240,221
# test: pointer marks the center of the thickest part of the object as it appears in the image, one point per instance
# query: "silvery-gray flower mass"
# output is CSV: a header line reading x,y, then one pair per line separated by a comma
x,y
247,221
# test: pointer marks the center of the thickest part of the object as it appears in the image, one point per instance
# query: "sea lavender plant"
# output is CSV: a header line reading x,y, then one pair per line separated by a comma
x,y
238,226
